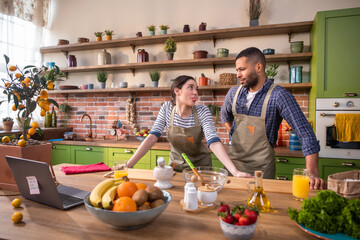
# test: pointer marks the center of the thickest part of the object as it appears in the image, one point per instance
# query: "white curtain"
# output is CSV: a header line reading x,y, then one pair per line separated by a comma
x,y
21,30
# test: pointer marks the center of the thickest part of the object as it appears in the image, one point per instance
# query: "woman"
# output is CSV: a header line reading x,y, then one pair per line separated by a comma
x,y
187,125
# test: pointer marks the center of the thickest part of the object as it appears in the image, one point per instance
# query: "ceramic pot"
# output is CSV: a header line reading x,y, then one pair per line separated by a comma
x,y
254,22
163,32
82,40
202,27
98,39
104,58
108,37
204,81
163,174
139,34
222,52
123,85
295,74
295,143
200,54
102,85
170,55
155,83
207,195
151,33
8,126
297,47
186,28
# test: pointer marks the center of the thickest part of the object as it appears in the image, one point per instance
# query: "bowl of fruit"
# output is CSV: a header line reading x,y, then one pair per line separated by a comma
x,y
126,205
141,135
239,222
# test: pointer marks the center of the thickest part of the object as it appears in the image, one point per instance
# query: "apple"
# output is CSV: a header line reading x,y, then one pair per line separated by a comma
x,y
145,134
137,133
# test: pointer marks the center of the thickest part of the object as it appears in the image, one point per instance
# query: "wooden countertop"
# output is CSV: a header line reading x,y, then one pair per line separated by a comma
x,y
131,143
43,222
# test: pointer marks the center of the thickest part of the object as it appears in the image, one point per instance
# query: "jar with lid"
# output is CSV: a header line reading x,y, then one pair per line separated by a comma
x,y
186,28
71,61
202,26
104,58
142,56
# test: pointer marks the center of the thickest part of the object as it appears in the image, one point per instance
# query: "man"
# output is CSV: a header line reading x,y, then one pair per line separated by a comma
x,y
252,113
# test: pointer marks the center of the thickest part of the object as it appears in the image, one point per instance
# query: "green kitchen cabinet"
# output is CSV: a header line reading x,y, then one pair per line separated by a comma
x,y
335,38
125,154
88,155
155,154
216,162
286,165
329,166
60,154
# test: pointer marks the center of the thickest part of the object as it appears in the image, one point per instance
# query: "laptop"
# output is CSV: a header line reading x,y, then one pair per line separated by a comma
x,y
35,182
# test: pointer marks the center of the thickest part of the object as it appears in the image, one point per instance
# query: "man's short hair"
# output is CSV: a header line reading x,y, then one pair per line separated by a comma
x,y
253,54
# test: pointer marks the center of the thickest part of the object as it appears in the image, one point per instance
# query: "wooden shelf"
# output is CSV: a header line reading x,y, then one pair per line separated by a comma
x,y
273,29
289,86
186,63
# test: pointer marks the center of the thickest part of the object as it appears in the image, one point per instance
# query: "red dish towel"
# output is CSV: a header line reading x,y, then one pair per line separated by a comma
x,y
97,167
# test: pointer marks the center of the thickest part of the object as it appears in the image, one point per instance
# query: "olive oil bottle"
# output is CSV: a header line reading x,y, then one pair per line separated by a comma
x,y
258,198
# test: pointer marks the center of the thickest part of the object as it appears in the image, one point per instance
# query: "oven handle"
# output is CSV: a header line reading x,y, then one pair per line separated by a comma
x,y
348,164
326,115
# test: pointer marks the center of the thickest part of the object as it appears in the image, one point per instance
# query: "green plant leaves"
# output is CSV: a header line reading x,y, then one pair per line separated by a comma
x,y
53,102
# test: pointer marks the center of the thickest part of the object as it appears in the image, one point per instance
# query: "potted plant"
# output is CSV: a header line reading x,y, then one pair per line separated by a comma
x,y
108,34
8,123
204,81
65,110
152,29
27,89
102,77
164,29
170,48
98,35
271,71
155,76
255,9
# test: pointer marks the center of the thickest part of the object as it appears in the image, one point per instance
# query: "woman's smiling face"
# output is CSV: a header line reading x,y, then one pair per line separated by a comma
x,y
188,94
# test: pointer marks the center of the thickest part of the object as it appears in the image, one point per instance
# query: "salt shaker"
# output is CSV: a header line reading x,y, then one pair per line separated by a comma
x,y
186,188
191,199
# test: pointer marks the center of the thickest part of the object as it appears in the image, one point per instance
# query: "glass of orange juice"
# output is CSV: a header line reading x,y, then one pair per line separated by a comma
x,y
120,169
300,184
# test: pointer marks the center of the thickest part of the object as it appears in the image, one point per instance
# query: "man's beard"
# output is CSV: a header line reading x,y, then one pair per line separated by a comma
x,y
251,80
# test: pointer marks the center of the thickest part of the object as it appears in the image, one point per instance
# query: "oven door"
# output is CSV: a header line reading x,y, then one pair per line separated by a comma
x,y
326,134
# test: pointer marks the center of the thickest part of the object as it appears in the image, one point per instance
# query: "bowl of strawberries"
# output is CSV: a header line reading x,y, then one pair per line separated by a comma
x,y
239,222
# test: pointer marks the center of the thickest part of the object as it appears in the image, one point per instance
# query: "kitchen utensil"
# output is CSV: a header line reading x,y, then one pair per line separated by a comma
x,y
128,220
269,51
84,86
163,174
214,176
200,54
140,85
295,74
139,34
192,166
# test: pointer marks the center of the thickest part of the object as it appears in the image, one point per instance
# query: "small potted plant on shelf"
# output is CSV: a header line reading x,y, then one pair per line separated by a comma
x,y
271,71
170,48
255,9
102,77
155,76
8,123
152,29
164,29
98,36
108,34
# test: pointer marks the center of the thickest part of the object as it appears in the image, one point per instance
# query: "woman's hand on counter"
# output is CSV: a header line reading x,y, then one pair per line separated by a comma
x,y
242,174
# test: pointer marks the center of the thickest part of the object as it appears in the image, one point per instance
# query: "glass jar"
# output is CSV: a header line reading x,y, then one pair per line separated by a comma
x,y
71,61
186,28
202,27
142,56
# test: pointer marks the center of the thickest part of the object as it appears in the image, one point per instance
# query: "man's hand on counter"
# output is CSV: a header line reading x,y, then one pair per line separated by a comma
x,y
317,183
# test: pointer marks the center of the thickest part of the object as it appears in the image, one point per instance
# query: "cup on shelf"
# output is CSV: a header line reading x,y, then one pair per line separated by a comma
x,y
297,47
84,86
300,184
90,86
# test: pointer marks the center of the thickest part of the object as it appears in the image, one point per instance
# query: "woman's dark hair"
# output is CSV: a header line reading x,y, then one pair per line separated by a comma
x,y
179,83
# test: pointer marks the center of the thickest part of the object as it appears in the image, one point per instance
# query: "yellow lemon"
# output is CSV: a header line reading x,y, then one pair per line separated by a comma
x,y
32,131
18,75
16,203
5,139
34,125
7,84
42,112
12,68
44,94
17,217
27,136
22,143
14,108
28,80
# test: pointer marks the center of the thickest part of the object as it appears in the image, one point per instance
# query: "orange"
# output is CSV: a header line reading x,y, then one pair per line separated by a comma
x,y
27,136
34,125
22,143
44,94
14,108
46,108
17,217
42,112
124,204
21,106
18,75
147,203
141,185
126,188
16,203
7,84
12,68
27,80
50,87
31,131
41,104
5,139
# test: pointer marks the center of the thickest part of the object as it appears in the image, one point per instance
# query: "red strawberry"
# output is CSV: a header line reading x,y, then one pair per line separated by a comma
x,y
244,220
252,215
224,208
228,219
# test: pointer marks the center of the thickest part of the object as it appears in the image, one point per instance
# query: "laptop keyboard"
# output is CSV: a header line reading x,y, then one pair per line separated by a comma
x,y
69,200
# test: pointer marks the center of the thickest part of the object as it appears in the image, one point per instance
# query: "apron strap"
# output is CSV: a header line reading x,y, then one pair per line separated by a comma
x,y
235,100
196,117
266,101
172,116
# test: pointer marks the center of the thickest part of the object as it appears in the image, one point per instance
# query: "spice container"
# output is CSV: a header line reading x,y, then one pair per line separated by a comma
x,y
142,56
207,195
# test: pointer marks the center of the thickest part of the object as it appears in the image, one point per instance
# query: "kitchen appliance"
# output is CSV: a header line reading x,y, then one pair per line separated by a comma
x,y
326,108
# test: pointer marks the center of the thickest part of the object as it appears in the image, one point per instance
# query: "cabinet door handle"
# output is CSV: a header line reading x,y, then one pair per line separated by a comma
x,y
283,160
53,147
348,164
350,94
88,149
281,178
128,151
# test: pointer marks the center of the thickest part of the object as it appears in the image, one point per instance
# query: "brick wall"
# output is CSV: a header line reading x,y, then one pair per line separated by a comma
x,y
105,108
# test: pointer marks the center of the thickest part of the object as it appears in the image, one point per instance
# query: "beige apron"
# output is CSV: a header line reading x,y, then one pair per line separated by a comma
x,y
250,148
188,141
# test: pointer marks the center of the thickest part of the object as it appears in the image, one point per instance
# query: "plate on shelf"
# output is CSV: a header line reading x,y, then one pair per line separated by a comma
x,y
325,236
68,87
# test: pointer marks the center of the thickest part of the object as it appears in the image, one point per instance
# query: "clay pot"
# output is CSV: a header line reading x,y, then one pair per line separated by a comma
x,y
8,126
204,81
200,54
98,39
108,37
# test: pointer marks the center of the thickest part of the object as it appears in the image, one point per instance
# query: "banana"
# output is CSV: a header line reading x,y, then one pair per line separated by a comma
x,y
108,197
99,190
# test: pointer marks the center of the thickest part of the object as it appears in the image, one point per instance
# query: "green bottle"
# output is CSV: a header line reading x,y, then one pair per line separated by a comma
x,y
48,120
53,118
